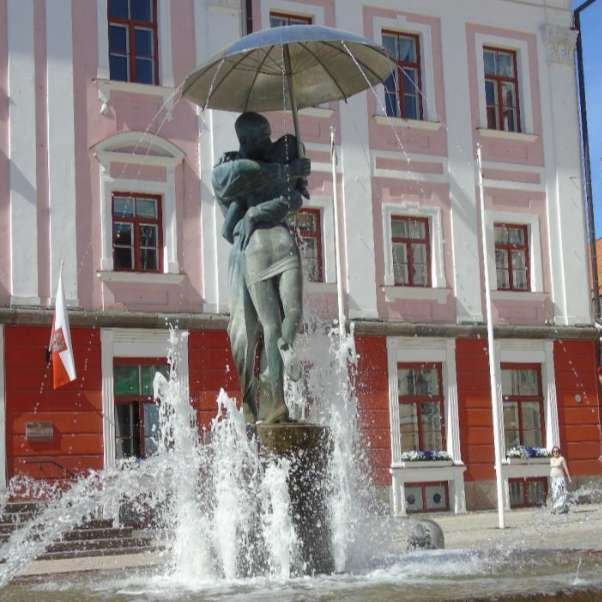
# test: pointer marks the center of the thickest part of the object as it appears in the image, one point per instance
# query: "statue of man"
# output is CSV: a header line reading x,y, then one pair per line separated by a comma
x,y
257,188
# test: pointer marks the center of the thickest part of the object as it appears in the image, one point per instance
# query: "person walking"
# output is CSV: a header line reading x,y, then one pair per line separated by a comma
x,y
559,479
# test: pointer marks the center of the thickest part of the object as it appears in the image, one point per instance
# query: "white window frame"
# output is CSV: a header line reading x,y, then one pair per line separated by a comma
x,y
130,342
166,76
402,25
414,209
535,251
325,206
289,7
524,81
514,351
154,151
443,351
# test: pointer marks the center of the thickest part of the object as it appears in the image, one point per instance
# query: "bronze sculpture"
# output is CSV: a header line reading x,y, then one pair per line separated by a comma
x,y
257,187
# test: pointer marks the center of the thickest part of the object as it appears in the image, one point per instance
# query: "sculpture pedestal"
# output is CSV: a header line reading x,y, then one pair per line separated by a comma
x,y
307,447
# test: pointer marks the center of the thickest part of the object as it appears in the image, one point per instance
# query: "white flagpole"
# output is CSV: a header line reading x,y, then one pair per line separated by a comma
x,y
337,246
495,391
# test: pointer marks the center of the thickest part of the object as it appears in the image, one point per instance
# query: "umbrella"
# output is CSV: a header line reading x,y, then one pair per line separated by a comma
x,y
318,63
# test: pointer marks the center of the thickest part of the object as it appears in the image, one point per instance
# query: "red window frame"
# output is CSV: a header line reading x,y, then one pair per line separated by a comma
x,y
498,110
316,234
402,80
418,400
526,398
525,498
137,222
131,25
507,248
140,400
422,486
413,241
290,19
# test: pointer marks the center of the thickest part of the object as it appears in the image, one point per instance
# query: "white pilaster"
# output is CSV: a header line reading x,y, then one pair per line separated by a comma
x,y
566,214
108,410
61,146
22,153
461,169
171,228
550,397
2,413
356,194
452,415
216,135
102,39
165,43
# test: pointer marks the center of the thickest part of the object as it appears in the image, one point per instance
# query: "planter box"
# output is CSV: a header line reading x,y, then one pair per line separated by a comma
x,y
514,461
424,464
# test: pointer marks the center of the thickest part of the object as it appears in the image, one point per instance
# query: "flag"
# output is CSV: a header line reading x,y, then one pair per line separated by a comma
x,y
61,350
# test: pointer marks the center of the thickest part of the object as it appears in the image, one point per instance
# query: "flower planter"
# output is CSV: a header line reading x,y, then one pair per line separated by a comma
x,y
424,464
526,461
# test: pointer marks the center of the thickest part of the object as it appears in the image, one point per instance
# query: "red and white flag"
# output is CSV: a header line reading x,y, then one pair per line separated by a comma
x,y
61,350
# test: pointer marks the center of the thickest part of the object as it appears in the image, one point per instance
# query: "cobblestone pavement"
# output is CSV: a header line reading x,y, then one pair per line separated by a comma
x,y
525,528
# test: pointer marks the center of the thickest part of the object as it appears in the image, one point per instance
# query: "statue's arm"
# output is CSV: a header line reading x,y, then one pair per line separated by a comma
x,y
236,178
234,213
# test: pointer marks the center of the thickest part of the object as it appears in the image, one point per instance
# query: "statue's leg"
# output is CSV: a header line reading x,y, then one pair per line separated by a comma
x,y
267,304
290,288
291,294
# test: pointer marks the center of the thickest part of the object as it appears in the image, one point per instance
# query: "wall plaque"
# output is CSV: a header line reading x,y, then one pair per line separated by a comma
x,y
39,431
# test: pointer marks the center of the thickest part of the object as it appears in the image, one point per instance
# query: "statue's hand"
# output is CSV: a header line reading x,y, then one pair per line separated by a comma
x,y
247,227
300,167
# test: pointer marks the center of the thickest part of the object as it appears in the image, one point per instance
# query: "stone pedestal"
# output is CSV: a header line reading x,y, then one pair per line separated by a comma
x,y
307,447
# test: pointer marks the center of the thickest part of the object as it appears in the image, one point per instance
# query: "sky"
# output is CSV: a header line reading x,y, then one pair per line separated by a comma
x,y
591,28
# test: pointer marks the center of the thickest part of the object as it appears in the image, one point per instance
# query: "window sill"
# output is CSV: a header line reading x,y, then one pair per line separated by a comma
x,y
107,86
518,296
321,112
319,287
394,293
523,461
503,135
424,464
140,277
416,124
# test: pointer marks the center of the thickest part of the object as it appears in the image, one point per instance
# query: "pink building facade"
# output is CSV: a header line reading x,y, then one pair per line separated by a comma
x,y
102,171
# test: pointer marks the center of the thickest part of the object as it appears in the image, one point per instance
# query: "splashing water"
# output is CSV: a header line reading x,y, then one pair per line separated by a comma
x,y
220,508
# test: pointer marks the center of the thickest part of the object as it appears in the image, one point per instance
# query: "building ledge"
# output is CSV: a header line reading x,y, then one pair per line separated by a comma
x,y
525,461
322,112
416,124
107,86
518,296
504,135
140,277
421,293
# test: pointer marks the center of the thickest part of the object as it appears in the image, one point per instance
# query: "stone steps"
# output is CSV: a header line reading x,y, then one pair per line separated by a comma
x,y
93,538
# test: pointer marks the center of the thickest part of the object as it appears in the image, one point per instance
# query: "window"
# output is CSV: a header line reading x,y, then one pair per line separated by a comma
x,y
280,19
527,492
411,251
307,225
426,497
403,97
136,414
523,405
501,90
137,232
133,41
512,257
420,407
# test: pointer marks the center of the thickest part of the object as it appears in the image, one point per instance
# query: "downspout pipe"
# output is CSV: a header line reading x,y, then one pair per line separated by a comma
x,y
248,13
589,201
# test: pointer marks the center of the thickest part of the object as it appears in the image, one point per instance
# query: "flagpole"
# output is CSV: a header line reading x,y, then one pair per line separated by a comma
x,y
495,393
337,246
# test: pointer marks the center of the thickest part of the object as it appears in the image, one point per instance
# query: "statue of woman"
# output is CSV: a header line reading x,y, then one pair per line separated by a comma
x,y
257,188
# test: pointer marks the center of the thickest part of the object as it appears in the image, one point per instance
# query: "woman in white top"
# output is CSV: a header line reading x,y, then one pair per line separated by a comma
x,y
559,475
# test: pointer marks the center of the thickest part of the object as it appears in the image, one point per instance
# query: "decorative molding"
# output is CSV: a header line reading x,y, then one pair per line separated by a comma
x,y
521,296
290,7
511,136
140,277
560,43
321,112
107,86
416,124
421,293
